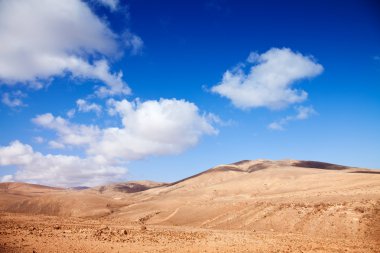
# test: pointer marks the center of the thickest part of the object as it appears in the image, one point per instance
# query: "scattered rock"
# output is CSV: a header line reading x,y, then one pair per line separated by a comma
x,y
123,232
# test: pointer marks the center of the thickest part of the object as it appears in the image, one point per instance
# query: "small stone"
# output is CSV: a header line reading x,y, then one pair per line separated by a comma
x,y
57,227
143,228
123,232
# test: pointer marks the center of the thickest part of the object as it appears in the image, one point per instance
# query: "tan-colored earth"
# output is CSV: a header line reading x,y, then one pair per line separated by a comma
x,y
249,206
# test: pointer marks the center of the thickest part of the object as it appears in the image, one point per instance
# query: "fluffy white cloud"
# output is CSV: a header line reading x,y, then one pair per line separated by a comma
x,y
70,134
166,126
269,81
41,39
303,113
60,170
15,154
84,106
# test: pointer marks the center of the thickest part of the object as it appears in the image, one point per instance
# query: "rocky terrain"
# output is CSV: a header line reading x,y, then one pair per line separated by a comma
x,y
248,206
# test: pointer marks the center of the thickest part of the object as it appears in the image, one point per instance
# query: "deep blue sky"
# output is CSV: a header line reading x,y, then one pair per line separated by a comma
x,y
188,45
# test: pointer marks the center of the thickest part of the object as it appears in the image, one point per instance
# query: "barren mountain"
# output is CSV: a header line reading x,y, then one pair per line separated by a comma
x,y
256,206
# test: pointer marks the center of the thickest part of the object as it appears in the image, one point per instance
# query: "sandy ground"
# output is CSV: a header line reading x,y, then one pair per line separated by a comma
x,y
25,233
251,206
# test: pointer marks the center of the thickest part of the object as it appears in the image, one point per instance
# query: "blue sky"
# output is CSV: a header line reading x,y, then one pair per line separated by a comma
x,y
203,83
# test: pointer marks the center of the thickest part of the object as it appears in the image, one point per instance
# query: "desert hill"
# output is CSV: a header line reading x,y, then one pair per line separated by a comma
x,y
128,187
287,196
260,195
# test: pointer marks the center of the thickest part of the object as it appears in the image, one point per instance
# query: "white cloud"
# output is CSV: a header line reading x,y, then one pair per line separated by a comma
x,y
15,154
163,127
276,126
303,113
6,178
70,113
13,99
56,145
84,106
112,4
41,39
269,81
60,170
133,42
253,57
166,126
70,134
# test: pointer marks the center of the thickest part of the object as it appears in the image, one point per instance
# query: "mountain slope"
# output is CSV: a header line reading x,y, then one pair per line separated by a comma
x,y
286,196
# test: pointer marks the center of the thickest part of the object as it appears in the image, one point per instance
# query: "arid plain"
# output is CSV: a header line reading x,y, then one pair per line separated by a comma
x,y
248,206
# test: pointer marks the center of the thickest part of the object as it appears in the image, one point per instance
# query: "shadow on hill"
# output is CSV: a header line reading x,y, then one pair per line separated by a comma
x,y
319,165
